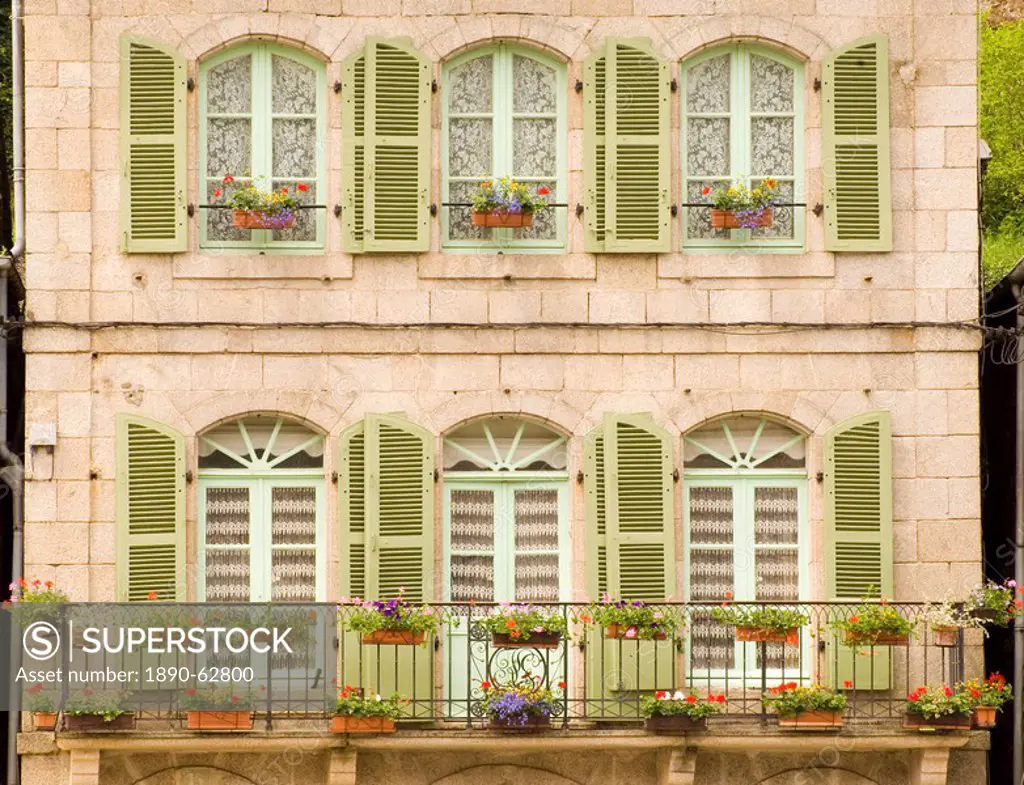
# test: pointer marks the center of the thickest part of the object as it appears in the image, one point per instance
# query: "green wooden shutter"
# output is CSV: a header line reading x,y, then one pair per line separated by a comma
x,y
352,511
855,141
153,162
858,523
150,512
386,126
630,553
626,130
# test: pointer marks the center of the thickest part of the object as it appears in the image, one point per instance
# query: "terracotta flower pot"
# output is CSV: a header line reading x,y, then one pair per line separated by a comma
x,y
883,639
95,722
678,723
621,632
394,638
258,219
538,640
726,219
219,720
945,636
985,716
813,720
946,722
532,723
503,220
349,724
761,635
44,720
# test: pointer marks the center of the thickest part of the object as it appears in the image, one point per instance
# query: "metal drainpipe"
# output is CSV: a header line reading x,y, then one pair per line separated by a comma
x,y
1016,280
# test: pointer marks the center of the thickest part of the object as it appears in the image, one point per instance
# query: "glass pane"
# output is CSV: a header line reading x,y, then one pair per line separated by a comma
x,y
707,147
545,222
469,147
293,516
533,147
218,227
698,219
711,574
776,516
771,85
537,577
778,575
293,575
472,578
711,516
229,86
470,86
771,146
782,227
294,87
536,520
533,86
472,520
460,219
294,148
228,147
227,516
712,645
707,86
304,230
227,575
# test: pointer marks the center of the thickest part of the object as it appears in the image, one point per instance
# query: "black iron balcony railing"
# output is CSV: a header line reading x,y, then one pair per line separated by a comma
x,y
593,677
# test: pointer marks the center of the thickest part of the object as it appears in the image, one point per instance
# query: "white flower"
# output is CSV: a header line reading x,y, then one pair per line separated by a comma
x,y
378,698
678,695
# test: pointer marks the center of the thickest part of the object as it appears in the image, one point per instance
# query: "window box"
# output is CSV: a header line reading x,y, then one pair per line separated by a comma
x,y
946,636
503,220
945,722
621,632
349,724
812,720
678,723
258,219
984,717
44,720
881,639
394,638
95,722
726,219
762,635
533,723
219,720
538,640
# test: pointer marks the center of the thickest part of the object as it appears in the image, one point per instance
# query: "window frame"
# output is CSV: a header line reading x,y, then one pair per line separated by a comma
x,y
740,115
501,146
261,155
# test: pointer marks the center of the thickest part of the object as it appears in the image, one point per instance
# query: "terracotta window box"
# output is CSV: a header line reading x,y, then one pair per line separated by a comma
x,y
884,639
95,722
946,637
813,720
532,723
678,723
726,219
946,722
620,632
538,640
984,717
44,720
257,219
759,635
219,720
348,724
503,220
394,638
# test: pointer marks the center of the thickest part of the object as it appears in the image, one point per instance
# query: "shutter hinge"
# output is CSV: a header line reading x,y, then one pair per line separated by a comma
x,y
817,85
190,84
579,476
675,475
820,476
674,85
579,210
334,477
579,85
437,475
337,211
675,210
188,476
337,87
191,209
818,209
433,85
433,208
437,643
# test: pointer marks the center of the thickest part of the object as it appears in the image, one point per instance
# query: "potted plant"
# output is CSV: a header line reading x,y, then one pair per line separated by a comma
x,y
676,711
90,710
256,209
506,204
987,698
43,706
738,206
805,707
522,625
939,708
521,705
946,620
636,620
875,624
995,603
217,708
763,623
392,622
34,600
359,713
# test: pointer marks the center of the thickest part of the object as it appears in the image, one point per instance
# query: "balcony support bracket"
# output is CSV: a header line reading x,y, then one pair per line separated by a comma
x,y
929,766
677,767
342,769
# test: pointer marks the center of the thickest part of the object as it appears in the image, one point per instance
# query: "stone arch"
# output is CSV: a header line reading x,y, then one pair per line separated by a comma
x,y
548,410
826,775
504,774
549,35
315,408
301,31
194,775
776,417
791,38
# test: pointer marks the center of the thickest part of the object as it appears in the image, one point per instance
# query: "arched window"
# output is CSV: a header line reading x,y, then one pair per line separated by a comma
x,y
743,122
745,510
503,114
261,512
262,122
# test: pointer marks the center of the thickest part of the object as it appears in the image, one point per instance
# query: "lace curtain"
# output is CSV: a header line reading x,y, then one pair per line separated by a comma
x,y
777,523
227,524
536,529
472,529
293,523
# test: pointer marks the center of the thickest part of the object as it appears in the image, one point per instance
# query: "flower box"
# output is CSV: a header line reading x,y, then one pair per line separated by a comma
x,y
677,723
351,724
44,720
91,722
260,219
727,219
984,717
538,722
758,635
500,220
945,722
219,720
395,637
813,720
945,636
621,632
881,639
987,614
538,640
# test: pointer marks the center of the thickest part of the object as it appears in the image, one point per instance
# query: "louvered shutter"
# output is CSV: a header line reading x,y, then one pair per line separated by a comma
x,y
352,511
626,131
386,127
855,136
153,173
150,510
630,545
858,522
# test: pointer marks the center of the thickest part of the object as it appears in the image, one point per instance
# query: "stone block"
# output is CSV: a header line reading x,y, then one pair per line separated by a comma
x,y
930,147
532,372
949,541
647,372
592,372
950,105
514,307
798,305
617,307
740,305
707,372
948,456
461,306
57,543
678,306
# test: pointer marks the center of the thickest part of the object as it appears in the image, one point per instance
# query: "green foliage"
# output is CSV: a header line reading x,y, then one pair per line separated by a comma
x,y
38,701
789,699
872,620
768,618
395,614
105,704
216,696
519,622
667,704
639,620
508,196
992,693
1000,253
938,702
352,703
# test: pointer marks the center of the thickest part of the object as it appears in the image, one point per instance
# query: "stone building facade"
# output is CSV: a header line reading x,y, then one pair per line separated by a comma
x,y
836,318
